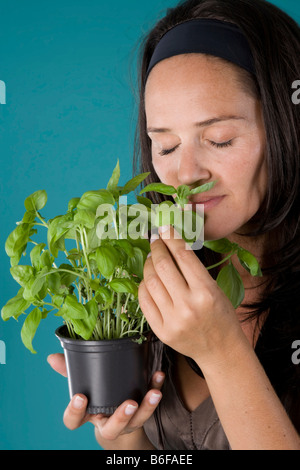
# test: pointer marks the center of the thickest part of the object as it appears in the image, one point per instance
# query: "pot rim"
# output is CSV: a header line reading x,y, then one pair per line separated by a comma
x,y
66,339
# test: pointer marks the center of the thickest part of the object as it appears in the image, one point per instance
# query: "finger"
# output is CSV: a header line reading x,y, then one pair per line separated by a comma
x,y
189,264
75,413
58,363
165,267
112,427
146,409
149,308
156,287
157,380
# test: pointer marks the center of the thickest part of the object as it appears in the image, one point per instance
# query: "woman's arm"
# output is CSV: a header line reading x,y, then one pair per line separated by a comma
x,y
188,311
251,414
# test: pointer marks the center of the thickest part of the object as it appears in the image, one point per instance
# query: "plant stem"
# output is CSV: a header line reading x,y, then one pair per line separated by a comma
x,y
222,261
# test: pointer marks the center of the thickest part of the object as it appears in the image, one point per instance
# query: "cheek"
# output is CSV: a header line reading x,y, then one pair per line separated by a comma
x,y
164,170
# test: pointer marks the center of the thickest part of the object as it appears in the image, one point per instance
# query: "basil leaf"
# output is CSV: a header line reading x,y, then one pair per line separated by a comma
x,y
249,262
36,201
17,241
72,309
15,306
92,199
132,184
124,285
231,284
159,188
73,203
107,258
29,328
136,262
85,218
203,188
22,274
114,179
220,246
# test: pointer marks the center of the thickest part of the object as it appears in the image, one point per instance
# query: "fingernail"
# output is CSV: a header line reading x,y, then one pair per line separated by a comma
x,y
159,379
164,228
149,254
78,402
130,409
154,237
154,399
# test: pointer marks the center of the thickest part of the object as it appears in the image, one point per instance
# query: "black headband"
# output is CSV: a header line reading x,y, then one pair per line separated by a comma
x,y
206,36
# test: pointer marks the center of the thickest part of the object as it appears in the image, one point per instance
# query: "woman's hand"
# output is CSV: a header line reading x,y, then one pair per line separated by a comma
x,y
183,304
128,418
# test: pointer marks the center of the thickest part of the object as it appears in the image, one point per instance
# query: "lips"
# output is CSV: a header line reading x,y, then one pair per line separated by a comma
x,y
208,201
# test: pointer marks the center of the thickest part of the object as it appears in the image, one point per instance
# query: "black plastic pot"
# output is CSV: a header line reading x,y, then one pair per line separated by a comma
x,y
107,372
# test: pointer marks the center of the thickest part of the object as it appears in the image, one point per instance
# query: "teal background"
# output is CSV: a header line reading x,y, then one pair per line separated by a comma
x,y
69,68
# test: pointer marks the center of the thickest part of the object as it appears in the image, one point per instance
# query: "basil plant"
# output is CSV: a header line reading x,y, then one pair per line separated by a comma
x,y
94,288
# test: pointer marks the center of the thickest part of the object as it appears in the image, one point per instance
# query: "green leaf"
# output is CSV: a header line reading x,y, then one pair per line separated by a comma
x,y
145,201
203,188
58,228
136,263
55,284
15,306
29,217
72,309
249,262
124,285
67,278
159,188
17,241
22,274
125,245
92,199
46,259
221,246
85,326
57,300
73,203
231,284
35,256
104,294
107,258
29,328
85,218
132,184
40,282
182,192
36,201
114,179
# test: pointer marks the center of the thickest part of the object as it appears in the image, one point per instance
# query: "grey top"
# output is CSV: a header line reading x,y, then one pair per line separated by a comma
x,y
172,426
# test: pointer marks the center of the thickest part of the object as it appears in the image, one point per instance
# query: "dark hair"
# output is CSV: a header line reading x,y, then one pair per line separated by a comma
x,y
274,39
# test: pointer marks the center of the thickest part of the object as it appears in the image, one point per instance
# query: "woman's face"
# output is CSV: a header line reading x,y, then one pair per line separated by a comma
x,y
204,127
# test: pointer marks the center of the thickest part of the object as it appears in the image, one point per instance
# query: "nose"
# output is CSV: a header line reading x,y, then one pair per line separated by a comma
x,y
191,168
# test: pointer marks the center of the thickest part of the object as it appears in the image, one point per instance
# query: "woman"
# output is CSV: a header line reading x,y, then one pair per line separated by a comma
x,y
215,105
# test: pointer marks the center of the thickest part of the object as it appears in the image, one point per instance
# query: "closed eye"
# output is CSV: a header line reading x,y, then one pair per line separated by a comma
x,y
168,151
221,144
214,144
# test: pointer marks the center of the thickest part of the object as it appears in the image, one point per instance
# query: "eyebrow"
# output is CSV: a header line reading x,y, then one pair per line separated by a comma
x,y
208,122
